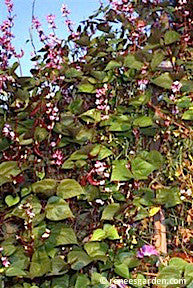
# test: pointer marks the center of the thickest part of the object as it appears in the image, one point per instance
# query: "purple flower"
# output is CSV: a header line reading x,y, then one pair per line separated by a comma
x,y
147,250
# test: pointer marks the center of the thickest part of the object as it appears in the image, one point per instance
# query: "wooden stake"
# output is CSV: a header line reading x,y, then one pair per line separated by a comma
x,y
160,232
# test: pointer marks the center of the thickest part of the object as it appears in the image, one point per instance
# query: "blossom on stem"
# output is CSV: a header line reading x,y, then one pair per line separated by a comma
x,y
52,112
176,86
142,84
8,132
64,10
69,24
5,262
51,20
9,4
102,101
58,157
36,23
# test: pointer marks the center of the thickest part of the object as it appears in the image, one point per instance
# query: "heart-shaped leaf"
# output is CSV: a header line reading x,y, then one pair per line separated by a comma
x,y
11,200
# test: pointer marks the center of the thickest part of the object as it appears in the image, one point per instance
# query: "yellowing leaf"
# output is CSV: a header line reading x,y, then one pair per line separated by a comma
x,y
153,211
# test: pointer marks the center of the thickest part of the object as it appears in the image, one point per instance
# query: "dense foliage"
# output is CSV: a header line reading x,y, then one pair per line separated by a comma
x,y
94,146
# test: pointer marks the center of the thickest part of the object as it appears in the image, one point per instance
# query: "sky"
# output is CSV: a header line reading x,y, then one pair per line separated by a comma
x,y
80,10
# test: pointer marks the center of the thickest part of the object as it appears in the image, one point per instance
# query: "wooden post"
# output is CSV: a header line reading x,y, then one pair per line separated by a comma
x,y
160,232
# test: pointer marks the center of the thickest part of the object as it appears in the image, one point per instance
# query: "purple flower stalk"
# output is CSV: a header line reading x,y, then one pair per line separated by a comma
x,y
147,250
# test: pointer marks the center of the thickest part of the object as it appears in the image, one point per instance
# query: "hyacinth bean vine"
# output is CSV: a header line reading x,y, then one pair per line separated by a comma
x,y
95,145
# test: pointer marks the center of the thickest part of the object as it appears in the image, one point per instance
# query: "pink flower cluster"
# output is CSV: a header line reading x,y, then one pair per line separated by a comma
x,y
52,112
122,6
58,157
9,4
36,23
55,57
8,132
38,26
5,262
176,86
4,259
7,49
102,101
100,168
142,84
27,207
3,79
64,10
51,20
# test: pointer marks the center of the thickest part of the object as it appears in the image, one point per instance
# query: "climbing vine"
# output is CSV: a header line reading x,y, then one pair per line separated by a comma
x,y
96,150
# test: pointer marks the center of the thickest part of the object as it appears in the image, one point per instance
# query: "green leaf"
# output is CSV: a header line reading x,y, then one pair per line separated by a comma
x,y
11,200
73,73
187,86
36,209
40,264
101,152
188,273
99,280
98,235
158,57
120,172
168,275
141,280
8,247
131,62
146,163
66,236
83,40
188,115
169,197
122,270
57,209
69,188
112,65
85,134
40,134
154,157
184,102
171,37
178,263
164,81
60,282
91,116
9,168
86,88
96,249
78,259
15,271
141,168
143,121
128,259
118,123
45,186
111,232
82,281
4,144
110,210
142,99
58,266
